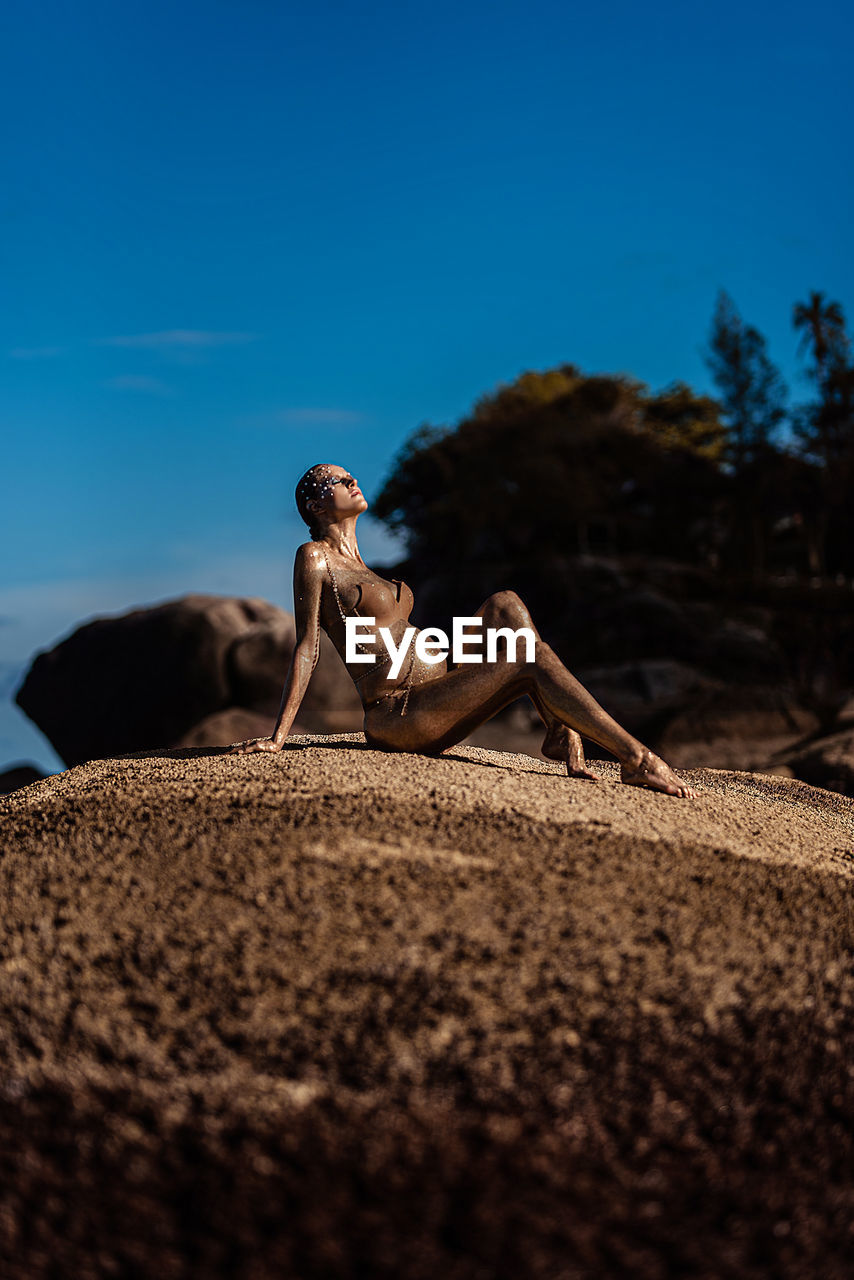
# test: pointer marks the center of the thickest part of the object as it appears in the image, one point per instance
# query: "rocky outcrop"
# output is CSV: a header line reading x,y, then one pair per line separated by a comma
x,y
642,695
18,775
826,762
150,677
235,724
735,727
340,1013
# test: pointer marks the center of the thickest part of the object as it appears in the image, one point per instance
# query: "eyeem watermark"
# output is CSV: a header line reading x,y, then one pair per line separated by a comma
x,y
432,645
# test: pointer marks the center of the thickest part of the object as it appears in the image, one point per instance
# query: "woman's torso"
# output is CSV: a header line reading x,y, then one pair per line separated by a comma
x,y
388,600
361,593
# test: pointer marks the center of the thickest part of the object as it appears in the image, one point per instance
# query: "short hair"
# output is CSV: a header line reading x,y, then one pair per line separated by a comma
x,y
311,485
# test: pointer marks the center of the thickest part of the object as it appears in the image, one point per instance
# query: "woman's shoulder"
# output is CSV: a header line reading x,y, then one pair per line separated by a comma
x,y
310,557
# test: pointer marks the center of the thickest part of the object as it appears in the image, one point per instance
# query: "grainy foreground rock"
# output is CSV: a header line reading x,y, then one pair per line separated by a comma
x,y
336,1013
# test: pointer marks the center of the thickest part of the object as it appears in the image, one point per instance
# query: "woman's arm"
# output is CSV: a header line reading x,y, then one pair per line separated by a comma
x,y
309,568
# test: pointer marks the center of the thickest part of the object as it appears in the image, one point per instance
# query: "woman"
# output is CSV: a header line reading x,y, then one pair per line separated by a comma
x,y
426,707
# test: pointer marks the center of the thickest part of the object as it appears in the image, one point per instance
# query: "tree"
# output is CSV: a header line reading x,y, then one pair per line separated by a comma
x,y
677,418
827,425
560,461
752,398
823,326
826,428
752,394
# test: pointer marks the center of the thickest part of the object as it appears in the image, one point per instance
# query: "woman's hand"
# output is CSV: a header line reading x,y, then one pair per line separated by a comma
x,y
254,744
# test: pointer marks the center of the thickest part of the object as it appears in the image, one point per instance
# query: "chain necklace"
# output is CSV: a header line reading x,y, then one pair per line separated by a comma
x,y
378,661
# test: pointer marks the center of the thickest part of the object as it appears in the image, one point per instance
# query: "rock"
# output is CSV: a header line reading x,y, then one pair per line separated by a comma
x,y
845,713
338,1013
692,719
828,763
150,677
735,727
139,680
740,651
724,711
235,724
258,664
641,695
333,705
19,775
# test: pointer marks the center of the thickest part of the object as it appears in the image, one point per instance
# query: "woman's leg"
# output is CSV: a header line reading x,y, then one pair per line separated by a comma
x,y
560,743
445,710
563,744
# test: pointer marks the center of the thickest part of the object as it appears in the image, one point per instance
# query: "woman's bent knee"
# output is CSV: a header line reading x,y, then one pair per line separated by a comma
x,y
510,609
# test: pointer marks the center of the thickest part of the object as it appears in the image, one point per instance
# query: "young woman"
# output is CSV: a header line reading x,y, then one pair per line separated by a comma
x,y
426,707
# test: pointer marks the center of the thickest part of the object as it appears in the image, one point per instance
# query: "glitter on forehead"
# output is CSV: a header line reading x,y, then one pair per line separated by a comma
x,y
316,478
317,483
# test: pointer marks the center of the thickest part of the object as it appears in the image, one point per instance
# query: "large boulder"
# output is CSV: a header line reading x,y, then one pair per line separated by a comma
x,y
736,727
644,694
17,776
235,724
258,663
147,678
827,762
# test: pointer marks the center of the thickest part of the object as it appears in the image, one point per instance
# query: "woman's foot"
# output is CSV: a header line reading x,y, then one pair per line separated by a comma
x,y
564,744
651,771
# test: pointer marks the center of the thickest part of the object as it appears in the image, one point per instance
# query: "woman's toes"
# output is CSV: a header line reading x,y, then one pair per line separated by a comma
x,y
656,774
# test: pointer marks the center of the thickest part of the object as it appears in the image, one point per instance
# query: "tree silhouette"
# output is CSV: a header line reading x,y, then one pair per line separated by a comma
x,y
825,427
565,462
752,398
823,330
677,418
752,393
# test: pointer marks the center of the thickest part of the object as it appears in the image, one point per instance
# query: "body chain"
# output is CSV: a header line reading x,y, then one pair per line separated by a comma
x,y
365,649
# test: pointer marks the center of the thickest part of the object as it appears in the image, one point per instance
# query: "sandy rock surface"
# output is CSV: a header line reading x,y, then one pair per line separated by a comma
x,y
335,1012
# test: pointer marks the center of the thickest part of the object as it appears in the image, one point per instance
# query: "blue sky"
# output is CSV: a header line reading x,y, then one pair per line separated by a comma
x,y
242,237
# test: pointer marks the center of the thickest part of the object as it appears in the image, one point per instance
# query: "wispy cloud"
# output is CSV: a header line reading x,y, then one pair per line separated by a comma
x,y
177,340
35,353
319,417
139,382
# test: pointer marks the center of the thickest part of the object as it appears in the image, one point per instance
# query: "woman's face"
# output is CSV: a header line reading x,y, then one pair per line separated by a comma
x,y
338,494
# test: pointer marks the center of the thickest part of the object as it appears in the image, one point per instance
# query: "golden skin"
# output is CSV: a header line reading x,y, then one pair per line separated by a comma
x,y
443,707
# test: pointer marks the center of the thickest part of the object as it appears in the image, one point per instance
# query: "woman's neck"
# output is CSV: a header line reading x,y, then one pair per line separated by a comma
x,y
342,539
